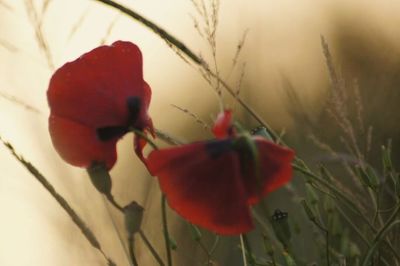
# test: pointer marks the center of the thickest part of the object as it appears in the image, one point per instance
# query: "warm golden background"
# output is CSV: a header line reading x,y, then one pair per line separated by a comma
x,y
282,45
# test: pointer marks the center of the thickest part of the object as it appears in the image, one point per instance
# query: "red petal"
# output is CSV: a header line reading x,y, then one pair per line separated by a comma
x,y
93,89
202,187
222,125
276,169
139,144
78,144
146,122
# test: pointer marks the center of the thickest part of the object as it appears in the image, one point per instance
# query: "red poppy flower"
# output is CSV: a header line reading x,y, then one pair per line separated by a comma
x,y
214,183
95,100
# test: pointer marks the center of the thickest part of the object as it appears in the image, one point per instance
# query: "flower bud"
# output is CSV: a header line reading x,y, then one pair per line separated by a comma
x,y
100,177
368,176
133,217
195,232
309,212
386,157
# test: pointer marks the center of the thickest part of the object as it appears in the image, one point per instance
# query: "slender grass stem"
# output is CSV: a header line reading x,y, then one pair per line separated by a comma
x,y
353,226
171,40
77,220
248,249
215,244
167,138
326,231
391,222
347,201
243,248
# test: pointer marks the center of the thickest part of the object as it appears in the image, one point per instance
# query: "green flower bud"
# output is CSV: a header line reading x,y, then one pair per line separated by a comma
x,y
133,217
195,232
100,178
172,244
310,214
368,176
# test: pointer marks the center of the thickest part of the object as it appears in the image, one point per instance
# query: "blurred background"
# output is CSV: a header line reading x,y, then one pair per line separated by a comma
x,y
280,70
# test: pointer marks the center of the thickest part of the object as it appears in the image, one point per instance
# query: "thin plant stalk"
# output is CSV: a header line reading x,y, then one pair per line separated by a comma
x,y
151,248
243,250
165,229
126,252
132,251
381,234
171,40
85,230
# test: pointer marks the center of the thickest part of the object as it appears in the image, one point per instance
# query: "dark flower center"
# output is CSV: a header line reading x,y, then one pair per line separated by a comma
x,y
108,133
133,104
215,148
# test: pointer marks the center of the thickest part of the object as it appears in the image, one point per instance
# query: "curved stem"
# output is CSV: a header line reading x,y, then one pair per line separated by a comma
x,y
111,199
171,40
144,136
348,202
378,239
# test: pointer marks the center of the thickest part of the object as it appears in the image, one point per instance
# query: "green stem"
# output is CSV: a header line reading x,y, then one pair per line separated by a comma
x,y
151,248
167,138
347,201
144,136
165,228
111,199
326,231
353,226
340,195
248,249
215,244
131,251
116,229
381,234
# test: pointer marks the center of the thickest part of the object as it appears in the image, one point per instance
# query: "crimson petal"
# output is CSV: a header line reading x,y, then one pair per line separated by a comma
x,y
276,169
94,100
202,183
222,125
79,145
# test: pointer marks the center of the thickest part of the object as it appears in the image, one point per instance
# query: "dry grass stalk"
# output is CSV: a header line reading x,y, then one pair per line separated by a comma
x,y
86,231
19,102
194,116
37,22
